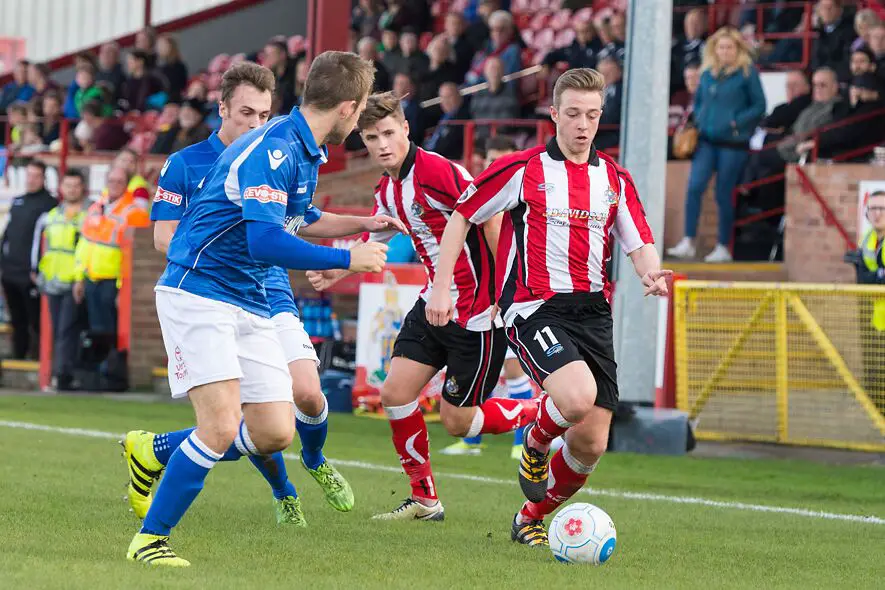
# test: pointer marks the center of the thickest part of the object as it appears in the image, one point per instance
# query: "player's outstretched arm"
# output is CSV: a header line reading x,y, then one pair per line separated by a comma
x,y
331,225
271,244
648,266
439,309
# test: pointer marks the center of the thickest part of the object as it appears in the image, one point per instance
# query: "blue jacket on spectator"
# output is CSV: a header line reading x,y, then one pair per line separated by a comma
x,y
13,92
70,108
728,107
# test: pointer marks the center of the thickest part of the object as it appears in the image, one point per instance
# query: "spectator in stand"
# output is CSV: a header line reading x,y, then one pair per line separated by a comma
x,y
392,58
582,53
616,47
31,140
413,61
18,88
81,60
54,271
18,118
364,18
171,67
479,30
784,116
501,45
146,41
19,289
448,140
107,224
276,59
38,77
688,48
865,98
302,69
826,105
862,61
50,125
97,132
499,101
441,69
110,70
367,48
188,130
835,34
405,13
88,90
404,88
138,186
788,50
608,138
877,46
456,35
682,101
864,20
728,105
142,90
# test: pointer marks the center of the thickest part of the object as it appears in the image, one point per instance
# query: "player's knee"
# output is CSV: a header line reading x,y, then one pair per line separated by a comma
x,y
589,449
576,406
273,440
455,423
308,398
393,394
219,434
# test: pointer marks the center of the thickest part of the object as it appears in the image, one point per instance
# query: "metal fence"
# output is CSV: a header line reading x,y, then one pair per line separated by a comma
x,y
789,363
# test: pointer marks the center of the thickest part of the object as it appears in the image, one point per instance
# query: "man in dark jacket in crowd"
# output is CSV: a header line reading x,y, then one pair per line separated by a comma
x,y
448,140
835,33
276,59
582,53
19,289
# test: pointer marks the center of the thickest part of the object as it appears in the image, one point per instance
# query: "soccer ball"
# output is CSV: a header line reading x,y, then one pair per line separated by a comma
x,y
582,533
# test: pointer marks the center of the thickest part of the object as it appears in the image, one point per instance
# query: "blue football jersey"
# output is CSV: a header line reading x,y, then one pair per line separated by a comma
x,y
279,290
180,176
269,175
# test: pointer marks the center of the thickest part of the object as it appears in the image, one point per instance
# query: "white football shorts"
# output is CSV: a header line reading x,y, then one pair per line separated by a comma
x,y
209,341
295,340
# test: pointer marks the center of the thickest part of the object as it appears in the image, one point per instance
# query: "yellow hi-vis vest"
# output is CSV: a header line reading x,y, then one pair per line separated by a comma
x,y
98,254
58,265
872,258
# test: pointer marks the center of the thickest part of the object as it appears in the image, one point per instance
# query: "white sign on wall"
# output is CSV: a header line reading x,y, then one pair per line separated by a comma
x,y
865,188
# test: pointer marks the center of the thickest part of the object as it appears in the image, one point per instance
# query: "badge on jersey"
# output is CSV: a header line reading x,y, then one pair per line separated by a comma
x,y
467,194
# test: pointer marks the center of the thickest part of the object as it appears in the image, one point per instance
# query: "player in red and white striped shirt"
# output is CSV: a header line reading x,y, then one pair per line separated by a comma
x,y
420,189
567,204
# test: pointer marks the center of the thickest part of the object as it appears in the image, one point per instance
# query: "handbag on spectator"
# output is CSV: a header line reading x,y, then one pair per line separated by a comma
x,y
685,141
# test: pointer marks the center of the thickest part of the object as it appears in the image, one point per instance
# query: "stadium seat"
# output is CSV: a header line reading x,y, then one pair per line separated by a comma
x,y
424,40
540,21
561,20
528,36
584,14
564,37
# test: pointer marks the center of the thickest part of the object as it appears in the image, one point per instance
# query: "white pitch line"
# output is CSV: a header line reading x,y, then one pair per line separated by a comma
x,y
622,495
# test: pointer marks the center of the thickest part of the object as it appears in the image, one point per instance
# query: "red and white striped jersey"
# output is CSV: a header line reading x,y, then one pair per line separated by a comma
x,y
562,217
423,198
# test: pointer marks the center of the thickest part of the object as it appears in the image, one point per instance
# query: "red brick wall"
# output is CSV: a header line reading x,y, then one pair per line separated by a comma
x,y
674,216
146,350
812,249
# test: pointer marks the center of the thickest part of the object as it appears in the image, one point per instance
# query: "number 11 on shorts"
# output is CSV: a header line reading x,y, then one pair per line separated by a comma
x,y
551,344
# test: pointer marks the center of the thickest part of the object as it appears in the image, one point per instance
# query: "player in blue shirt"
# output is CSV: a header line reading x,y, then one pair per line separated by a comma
x,y
223,349
244,106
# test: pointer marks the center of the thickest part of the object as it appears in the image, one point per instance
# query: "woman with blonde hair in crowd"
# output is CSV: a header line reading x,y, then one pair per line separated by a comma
x,y
171,66
728,105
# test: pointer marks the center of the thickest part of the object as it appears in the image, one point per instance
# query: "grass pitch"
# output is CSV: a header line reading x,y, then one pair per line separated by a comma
x,y
64,523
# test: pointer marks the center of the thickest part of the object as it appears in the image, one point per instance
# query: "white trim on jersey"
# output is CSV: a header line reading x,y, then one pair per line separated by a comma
x,y
232,182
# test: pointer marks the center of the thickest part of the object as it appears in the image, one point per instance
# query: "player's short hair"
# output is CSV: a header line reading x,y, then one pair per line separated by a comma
x,y
500,143
583,79
380,106
336,77
246,72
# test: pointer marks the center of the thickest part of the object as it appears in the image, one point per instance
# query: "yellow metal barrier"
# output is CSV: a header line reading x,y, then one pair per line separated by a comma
x,y
781,362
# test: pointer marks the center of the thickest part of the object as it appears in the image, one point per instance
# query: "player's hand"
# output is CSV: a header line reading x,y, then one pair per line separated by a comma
x,y
383,223
368,257
323,279
439,309
655,282
78,291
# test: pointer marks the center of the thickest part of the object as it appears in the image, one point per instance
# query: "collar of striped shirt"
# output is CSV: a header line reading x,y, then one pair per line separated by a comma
x,y
556,154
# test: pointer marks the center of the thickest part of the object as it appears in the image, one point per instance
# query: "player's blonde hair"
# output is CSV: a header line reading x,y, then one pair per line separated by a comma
x,y
336,77
380,106
583,79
